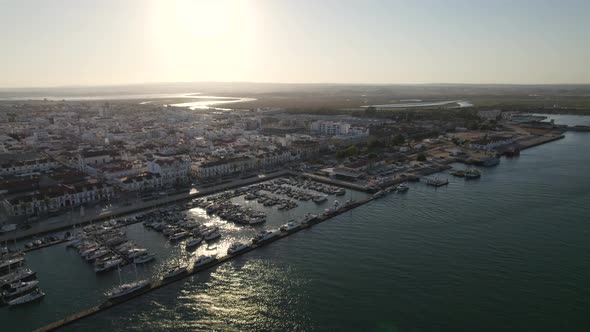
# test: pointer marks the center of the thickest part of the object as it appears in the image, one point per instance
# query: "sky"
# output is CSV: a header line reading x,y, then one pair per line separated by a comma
x,y
82,42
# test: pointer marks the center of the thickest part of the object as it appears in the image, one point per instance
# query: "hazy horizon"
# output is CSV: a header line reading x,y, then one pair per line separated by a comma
x,y
66,43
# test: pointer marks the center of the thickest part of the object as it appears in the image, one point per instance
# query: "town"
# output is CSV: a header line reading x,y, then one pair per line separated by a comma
x,y
89,173
80,160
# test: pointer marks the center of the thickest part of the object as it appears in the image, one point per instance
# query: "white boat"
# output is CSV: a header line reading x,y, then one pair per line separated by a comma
x,y
97,254
320,199
108,265
265,235
30,297
402,188
8,228
237,247
257,221
16,276
212,236
193,242
127,289
202,260
175,272
20,287
144,258
11,263
178,236
289,226
136,252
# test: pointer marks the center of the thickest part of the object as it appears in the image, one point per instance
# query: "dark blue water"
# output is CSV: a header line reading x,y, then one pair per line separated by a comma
x,y
510,251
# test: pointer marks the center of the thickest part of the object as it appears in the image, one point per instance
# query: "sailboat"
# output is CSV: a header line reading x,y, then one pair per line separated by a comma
x,y
124,290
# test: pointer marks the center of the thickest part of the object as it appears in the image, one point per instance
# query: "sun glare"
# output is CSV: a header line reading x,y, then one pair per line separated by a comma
x,y
195,38
199,19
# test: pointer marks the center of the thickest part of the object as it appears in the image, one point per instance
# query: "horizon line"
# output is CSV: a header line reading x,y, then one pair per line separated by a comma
x,y
276,83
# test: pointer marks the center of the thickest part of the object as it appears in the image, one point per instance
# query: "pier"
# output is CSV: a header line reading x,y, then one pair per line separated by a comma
x,y
161,283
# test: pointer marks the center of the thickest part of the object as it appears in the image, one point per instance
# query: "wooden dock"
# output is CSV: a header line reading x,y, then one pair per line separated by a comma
x,y
161,283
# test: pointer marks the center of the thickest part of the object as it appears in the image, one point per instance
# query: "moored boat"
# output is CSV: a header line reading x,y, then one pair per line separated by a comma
x,y
30,297
174,272
192,242
20,288
237,247
202,260
402,188
144,258
127,289
289,226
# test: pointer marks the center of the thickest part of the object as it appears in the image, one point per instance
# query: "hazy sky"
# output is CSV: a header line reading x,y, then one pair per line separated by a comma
x,y
78,42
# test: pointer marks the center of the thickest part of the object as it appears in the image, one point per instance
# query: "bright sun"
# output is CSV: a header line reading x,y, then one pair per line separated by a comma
x,y
199,19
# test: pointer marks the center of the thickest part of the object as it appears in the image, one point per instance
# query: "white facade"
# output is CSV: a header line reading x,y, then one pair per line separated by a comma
x,y
25,167
63,196
330,128
141,182
173,170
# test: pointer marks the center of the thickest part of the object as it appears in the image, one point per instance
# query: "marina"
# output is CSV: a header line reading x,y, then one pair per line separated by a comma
x,y
203,262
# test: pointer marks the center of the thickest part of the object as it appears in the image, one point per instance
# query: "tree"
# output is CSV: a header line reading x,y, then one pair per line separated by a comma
x,y
372,156
421,157
370,111
398,140
349,151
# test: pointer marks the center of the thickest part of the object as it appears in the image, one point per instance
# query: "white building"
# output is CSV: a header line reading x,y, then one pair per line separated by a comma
x,y
173,170
141,182
57,197
225,166
28,166
329,128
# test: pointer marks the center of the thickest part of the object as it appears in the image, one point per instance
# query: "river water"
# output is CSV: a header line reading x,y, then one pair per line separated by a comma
x,y
509,251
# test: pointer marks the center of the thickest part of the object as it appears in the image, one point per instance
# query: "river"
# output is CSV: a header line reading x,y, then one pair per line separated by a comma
x,y
509,251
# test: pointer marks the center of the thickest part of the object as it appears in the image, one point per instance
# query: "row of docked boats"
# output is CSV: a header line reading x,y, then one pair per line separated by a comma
x,y
106,247
183,228
236,213
42,242
18,285
312,185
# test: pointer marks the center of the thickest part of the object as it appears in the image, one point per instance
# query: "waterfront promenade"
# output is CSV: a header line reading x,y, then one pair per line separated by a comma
x,y
69,220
